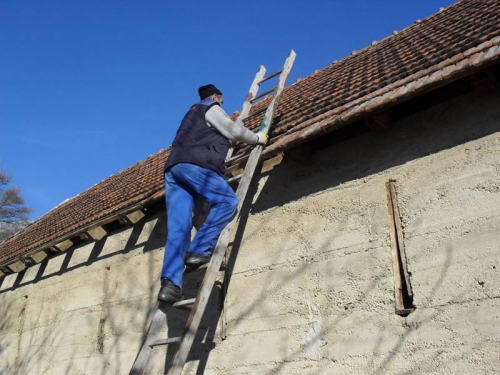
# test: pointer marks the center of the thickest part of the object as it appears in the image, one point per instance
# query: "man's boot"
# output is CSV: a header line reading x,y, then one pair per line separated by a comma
x,y
196,260
169,293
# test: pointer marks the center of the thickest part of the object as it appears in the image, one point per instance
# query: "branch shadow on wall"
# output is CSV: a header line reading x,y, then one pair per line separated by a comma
x,y
33,343
206,339
299,354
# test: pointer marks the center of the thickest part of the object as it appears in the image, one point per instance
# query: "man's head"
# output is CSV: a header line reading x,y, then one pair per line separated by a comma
x,y
210,92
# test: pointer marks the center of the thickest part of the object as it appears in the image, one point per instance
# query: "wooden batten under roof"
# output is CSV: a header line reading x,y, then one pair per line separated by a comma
x,y
132,217
17,266
63,245
268,163
94,234
484,80
38,256
380,120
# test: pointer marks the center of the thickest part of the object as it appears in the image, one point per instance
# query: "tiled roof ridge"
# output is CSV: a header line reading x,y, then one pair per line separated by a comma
x,y
351,58
373,44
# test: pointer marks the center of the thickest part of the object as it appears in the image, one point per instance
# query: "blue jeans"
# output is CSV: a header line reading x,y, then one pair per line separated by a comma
x,y
183,183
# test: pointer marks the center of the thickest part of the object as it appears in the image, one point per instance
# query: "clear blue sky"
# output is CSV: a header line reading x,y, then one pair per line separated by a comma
x,y
88,88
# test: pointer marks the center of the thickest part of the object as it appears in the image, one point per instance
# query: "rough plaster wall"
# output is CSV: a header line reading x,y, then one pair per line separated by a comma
x,y
312,287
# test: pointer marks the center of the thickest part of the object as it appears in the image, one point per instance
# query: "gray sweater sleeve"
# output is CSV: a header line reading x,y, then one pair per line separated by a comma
x,y
218,119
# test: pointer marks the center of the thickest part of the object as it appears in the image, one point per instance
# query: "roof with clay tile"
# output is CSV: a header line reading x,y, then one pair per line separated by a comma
x,y
447,45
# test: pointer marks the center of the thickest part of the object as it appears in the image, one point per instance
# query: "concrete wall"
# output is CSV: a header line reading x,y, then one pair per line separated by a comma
x,y
312,288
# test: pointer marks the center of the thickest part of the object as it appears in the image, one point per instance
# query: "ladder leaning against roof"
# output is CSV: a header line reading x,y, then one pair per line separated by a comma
x,y
198,304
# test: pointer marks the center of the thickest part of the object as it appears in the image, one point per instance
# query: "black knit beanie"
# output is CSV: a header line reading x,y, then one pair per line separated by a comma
x,y
208,90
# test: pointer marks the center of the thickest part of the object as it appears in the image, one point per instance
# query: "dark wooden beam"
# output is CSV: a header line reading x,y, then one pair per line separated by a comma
x,y
298,154
484,80
379,121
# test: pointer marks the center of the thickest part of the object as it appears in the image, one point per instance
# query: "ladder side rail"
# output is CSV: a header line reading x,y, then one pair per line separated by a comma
x,y
268,117
247,104
143,356
211,274
205,291
265,126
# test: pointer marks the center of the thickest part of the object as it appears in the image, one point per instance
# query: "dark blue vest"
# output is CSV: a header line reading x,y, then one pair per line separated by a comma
x,y
197,143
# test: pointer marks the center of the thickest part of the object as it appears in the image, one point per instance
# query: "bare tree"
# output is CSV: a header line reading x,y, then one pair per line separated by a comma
x,y
13,210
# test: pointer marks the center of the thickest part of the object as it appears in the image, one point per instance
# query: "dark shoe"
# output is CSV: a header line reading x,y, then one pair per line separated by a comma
x,y
196,260
169,293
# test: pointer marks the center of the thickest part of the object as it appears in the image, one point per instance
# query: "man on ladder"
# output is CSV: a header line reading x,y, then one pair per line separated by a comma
x,y
195,167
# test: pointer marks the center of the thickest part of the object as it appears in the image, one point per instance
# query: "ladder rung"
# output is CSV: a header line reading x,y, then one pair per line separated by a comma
x,y
270,76
258,111
185,303
238,156
263,94
202,267
235,178
263,109
168,341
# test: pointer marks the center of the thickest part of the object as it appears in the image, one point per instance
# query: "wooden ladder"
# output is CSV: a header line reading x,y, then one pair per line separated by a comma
x,y
197,305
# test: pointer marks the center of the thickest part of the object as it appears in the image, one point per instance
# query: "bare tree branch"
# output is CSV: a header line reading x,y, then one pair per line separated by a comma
x,y
13,210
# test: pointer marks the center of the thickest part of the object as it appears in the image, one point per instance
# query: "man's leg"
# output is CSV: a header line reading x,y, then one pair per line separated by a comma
x,y
221,198
180,203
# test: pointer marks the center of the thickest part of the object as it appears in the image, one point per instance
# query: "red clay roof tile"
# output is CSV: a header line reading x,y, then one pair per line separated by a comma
x,y
448,43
